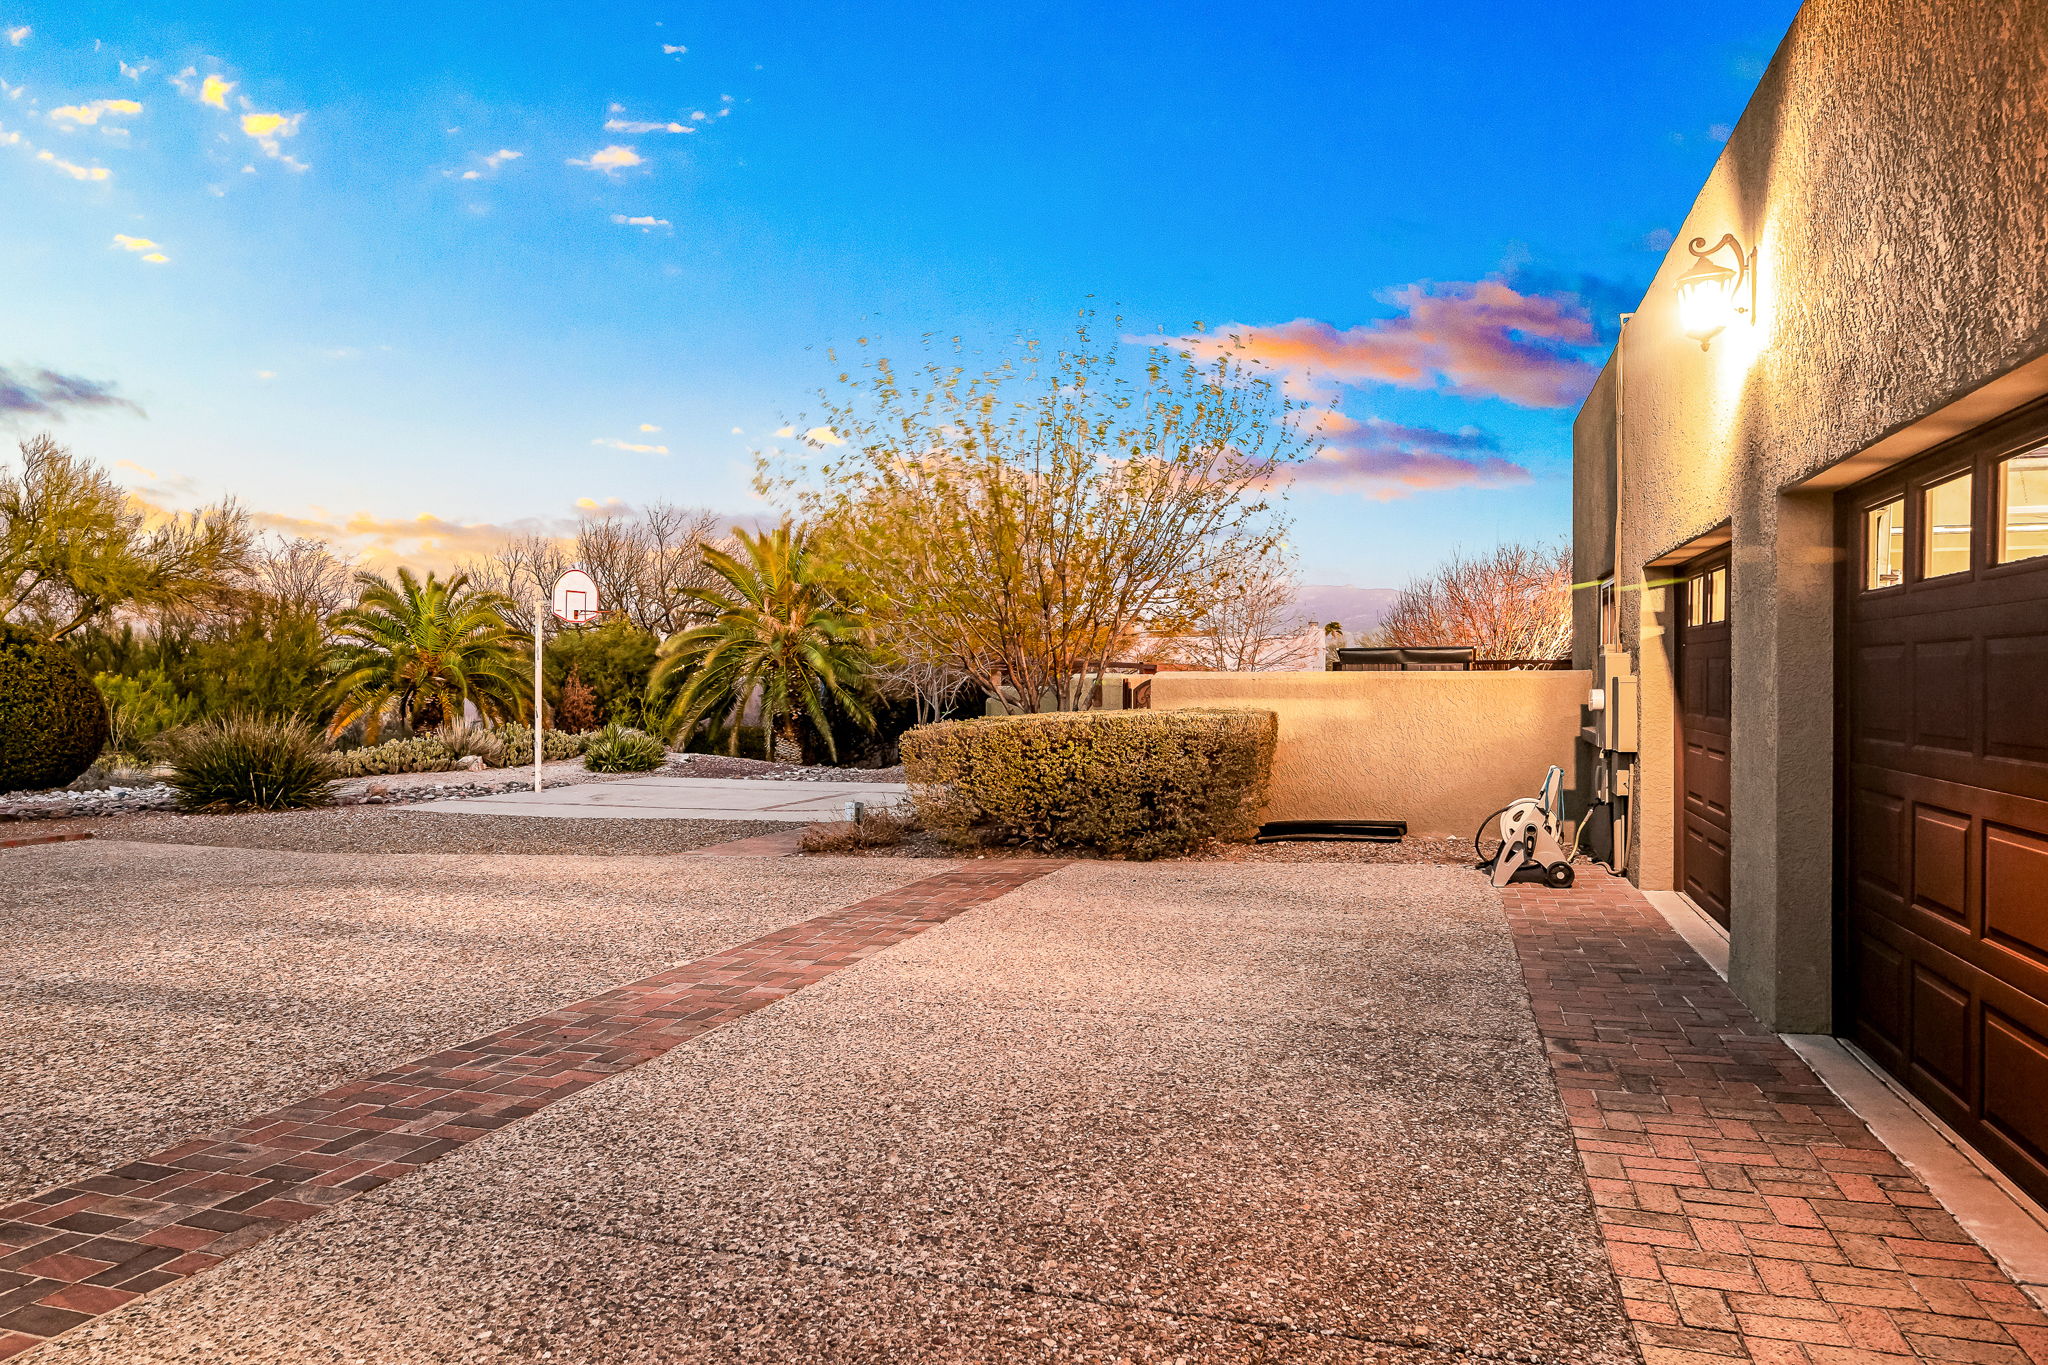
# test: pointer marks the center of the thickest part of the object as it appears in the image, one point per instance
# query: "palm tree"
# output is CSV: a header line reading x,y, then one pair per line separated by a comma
x,y
778,631
420,648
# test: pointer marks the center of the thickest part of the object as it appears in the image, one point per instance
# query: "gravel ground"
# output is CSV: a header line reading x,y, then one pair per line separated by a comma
x,y
1439,852
725,765
1172,1112
150,992
383,829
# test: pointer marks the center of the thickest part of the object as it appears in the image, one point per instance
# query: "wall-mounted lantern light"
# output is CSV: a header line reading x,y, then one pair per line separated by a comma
x,y
1720,287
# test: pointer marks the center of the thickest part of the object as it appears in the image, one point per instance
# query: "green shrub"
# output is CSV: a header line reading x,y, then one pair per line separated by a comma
x,y
53,721
424,754
248,763
463,740
141,707
620,749
518,740
1137,784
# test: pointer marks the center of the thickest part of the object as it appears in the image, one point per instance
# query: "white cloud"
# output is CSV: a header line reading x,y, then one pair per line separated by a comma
x,y
674,49
630,446
142,246
90,113
267,129
214,91
491,163
645,223
76,172
649,426
17,36
824,436
133,73
266,374
619,125
610,159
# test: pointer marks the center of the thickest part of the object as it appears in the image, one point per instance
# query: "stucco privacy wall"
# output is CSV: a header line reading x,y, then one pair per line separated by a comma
x,y
1891,171
1439,750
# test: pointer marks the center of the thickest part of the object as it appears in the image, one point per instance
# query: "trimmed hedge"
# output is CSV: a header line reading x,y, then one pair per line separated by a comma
x,y
53,721
1134,784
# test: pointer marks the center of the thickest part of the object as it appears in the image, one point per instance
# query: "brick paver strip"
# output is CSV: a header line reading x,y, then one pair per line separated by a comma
x,y
780,844
73,1253
1748,1214
25,841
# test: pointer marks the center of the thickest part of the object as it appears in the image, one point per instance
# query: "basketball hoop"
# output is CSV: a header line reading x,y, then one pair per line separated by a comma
x,y
575,598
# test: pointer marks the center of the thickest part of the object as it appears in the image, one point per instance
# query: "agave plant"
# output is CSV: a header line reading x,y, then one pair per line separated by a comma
x,y
778,633
419,648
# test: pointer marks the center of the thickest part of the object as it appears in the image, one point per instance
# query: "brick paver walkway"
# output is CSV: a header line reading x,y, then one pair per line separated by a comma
x,y
1748,1214
73,1253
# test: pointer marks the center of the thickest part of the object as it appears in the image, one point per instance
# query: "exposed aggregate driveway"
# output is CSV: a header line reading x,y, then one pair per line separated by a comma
x,y
1168,1112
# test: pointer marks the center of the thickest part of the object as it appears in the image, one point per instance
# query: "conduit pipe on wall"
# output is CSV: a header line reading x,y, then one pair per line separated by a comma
x,y
1612,761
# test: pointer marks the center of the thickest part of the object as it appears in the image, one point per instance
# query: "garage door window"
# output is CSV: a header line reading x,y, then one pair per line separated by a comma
x,y
1884,545
2023,500
1946,519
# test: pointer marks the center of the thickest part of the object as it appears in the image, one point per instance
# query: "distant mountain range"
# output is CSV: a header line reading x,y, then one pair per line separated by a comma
x,y
1359,609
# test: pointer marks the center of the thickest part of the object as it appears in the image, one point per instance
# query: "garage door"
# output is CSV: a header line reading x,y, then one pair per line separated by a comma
x,y
1944,784
1705,696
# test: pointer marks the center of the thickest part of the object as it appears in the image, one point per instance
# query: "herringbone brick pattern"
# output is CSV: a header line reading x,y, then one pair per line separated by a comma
x,y
70,1254
1748,1214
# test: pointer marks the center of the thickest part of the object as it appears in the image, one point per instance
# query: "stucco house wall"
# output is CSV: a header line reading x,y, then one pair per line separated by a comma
x,y
1439,750
1891,172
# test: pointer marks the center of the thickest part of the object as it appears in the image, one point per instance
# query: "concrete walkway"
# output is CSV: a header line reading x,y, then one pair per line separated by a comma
x,y
682,798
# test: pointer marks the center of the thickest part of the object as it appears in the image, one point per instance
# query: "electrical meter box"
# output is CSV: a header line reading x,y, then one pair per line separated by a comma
x,y
1616,721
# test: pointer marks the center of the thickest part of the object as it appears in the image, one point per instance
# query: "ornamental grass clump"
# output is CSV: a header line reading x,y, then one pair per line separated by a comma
x,y
622,749
248,763
1131,784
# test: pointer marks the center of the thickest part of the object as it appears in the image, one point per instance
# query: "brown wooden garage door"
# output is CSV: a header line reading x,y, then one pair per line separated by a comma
x,y
1944,784
1705,711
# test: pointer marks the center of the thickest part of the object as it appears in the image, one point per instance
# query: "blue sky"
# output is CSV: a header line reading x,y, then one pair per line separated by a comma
x,y
364,313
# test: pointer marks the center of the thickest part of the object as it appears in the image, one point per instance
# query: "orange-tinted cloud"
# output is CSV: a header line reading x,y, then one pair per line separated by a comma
x,y
1385,460
1482,339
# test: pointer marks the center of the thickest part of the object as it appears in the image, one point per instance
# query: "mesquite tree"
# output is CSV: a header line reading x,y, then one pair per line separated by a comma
x,y
1026,522
1513,603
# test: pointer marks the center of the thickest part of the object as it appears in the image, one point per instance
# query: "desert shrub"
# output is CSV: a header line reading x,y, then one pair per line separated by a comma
x,y
53,722
423,754
577,709
248,763
474,741
621,749
1135,784
518,740
878,827
141,707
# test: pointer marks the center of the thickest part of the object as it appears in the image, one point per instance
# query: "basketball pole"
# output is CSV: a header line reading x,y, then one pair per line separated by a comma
x,y
540,605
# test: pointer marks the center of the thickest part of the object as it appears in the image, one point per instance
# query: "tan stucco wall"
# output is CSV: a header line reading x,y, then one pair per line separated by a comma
x,y
1891,171
1439,750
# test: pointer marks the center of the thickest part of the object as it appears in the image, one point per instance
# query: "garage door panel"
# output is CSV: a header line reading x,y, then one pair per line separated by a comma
x,y
1879,984
2015,711
1945,695
2016,891
2015,1081
1885,700
1940,1035
1877,824
1941,860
